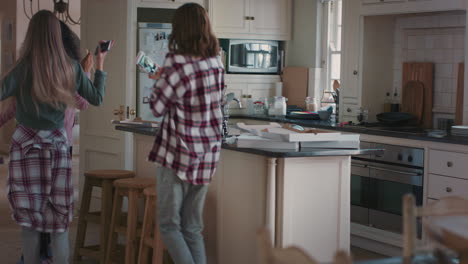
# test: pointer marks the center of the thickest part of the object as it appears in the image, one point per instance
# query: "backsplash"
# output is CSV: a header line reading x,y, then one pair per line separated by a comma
x,y
437,38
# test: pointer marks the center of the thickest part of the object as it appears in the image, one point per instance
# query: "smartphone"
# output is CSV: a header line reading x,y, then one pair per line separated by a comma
x,y
145,63
104,46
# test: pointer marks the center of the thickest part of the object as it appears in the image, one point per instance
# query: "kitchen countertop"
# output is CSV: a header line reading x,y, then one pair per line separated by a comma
x,y
358,129
277,153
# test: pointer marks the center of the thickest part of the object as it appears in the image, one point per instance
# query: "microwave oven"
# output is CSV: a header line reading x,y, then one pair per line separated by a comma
x,y
251,56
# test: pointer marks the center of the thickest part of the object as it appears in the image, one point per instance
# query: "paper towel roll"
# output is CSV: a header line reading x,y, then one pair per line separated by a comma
x,y
279,89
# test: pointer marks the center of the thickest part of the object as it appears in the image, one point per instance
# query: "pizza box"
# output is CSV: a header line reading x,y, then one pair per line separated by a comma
x,y
287,133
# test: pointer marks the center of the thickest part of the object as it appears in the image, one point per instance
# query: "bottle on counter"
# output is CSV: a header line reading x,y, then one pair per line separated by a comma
x,y
395,107
387,103
249,105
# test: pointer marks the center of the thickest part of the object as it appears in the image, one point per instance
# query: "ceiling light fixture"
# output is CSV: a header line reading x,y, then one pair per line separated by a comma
x,y
61,10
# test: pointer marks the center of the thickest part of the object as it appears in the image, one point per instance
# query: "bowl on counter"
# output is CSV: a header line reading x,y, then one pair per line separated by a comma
x,y
324,114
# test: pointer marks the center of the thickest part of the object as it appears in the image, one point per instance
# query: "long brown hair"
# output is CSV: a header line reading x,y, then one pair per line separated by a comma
x,y
51,69
191,32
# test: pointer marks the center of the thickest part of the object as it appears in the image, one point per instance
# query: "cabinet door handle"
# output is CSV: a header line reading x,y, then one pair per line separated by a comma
x,y
449,164
348,110
355,72
448,189
252,18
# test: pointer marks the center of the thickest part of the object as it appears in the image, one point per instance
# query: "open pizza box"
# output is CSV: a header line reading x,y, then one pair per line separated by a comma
x,y
287,133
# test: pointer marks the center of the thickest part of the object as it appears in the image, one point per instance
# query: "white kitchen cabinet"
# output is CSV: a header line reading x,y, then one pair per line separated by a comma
x,y
386,7
271,17
230,16
442,186
448,163
251,19
350,92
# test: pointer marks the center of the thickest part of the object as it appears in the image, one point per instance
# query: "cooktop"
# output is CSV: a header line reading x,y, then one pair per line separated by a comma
x,y
408,129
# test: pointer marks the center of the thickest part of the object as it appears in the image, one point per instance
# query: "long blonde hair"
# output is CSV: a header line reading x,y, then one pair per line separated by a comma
x,y
51,69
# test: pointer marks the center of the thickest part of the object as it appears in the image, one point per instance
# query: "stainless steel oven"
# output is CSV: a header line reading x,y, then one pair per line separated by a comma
x,y
378,183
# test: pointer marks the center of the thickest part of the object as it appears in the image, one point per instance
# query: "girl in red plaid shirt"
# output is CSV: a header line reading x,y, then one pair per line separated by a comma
x,y
43,83
188,94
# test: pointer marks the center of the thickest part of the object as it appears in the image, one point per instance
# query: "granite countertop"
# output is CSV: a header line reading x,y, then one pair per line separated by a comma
x,y
277,153
358,129
303,152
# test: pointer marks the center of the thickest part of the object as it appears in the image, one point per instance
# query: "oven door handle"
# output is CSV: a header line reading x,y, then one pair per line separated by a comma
x,y
358,165
395,171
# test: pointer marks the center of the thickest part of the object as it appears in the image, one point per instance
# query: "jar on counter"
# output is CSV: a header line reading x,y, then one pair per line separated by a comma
x,y
311,104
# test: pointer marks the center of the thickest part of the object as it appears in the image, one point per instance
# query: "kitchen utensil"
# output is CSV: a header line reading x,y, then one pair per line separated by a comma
x,y
395,118
423,72
413,100
460,94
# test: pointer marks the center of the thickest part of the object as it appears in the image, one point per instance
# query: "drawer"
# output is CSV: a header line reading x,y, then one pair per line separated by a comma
x,y
448,163
366,2
441,186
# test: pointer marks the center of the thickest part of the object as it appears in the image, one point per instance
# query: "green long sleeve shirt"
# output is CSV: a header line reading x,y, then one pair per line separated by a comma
x,y
48,117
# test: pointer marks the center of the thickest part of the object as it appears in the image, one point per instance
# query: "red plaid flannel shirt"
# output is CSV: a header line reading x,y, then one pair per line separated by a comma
x,y
40,187
189,96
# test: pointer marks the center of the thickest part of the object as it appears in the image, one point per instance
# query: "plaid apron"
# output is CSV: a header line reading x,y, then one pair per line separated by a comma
x,y
39,185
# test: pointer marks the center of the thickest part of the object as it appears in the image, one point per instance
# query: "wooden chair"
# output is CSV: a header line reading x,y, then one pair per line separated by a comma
x,y
270,255
133,189
150,237
441,213
102,179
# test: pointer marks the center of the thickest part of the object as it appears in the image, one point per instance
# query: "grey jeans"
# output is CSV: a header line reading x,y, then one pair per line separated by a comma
x,y
30,239
180,216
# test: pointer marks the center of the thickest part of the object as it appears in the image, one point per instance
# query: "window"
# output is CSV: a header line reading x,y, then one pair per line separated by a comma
x,y
332,10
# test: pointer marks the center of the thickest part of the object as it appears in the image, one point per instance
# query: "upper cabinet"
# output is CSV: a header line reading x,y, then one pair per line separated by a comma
x,y
381,7
350,93
252,19
230,16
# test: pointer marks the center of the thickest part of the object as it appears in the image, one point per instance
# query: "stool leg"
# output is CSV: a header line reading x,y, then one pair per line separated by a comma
x,y
115,221
82,224
158,248
146,231
106,214
130,247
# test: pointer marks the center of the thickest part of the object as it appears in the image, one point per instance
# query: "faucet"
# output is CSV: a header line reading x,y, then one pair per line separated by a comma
x,y
239,103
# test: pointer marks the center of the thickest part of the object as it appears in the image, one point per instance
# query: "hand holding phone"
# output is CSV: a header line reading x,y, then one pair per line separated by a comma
x,y
104,46
146,64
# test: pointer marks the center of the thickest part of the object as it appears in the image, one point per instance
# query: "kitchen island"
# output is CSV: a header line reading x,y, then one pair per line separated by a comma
x,y
302,197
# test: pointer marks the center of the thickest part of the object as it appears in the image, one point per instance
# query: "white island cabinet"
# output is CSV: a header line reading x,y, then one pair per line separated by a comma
x,y
302,197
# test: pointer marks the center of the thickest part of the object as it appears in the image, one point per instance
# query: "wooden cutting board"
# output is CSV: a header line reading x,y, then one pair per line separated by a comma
x,y
460,94
412,100
295,85
423,72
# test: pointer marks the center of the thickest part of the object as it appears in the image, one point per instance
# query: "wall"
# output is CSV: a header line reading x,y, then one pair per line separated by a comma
x,y
304,50
437,38
378,50
23,21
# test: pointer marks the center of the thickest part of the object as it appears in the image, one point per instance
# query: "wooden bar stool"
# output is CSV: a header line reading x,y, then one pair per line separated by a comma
x,y
150,236
133,189
103,179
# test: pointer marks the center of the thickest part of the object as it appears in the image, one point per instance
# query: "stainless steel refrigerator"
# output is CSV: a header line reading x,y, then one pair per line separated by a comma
x,y
153,40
